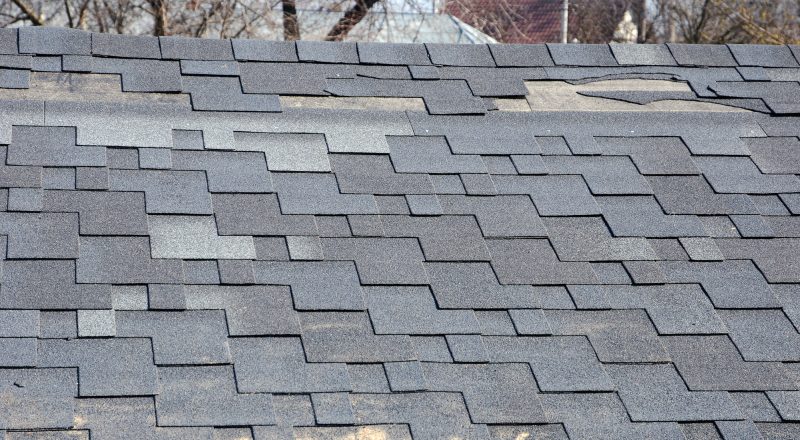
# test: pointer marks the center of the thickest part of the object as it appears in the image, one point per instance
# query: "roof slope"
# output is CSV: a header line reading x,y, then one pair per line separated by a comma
x,y
216,239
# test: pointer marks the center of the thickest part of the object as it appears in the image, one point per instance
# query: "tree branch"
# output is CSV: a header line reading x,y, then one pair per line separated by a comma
x,y
29,12
350,19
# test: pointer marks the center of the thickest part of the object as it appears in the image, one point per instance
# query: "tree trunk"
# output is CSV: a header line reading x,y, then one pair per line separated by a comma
x,y
291,28
350,19
161,26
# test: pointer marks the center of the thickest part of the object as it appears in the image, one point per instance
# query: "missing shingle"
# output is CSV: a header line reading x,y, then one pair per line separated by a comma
x,y
85,87
512,105
666,96
342,103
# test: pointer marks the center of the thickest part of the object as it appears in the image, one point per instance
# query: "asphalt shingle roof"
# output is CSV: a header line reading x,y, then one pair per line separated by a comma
x,y
216,239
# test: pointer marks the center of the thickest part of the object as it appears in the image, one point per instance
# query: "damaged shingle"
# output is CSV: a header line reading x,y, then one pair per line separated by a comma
x,y
237,238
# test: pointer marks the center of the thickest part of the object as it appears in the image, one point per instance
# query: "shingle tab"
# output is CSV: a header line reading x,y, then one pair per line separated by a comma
x,y
403,54
125,46
582,55
702,54
642,54
475,55
763,55
182,48
521,55
258,50
54,41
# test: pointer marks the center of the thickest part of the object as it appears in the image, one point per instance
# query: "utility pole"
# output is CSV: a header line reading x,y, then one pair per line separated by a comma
x,y
564,20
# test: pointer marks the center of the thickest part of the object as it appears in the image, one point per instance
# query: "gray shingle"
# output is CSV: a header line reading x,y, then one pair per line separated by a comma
x,y
44,397
444,238
495,322
722,367
277,365
642,54
339,280
474,285
763,335
19,323
588,239
467,348
48,284
368,378
552,195
493,394
374,174
740,175
327,52
54,146
657,393
8,42
582,55
559,363
693,195
521,55
674,309
317,193
424,204
288,151
257,214
249,310
142,75
125,46
533,261
604,175
195,237
18,352
96,323
431,349
93,178
332,408
182,48
405,376
579,413
430,415
430,155
221,405
54,41
304,247
786,402
530,322
260,50
764,55
187,194
702,54
103,363
210,68
756,407
476,55
383,53
412,311
166,297
728,283
227,171
348,337
224,94
616,336
380,260
25,199
179,338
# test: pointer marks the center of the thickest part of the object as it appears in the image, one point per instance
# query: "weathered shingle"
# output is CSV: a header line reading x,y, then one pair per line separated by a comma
x,y
221,239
